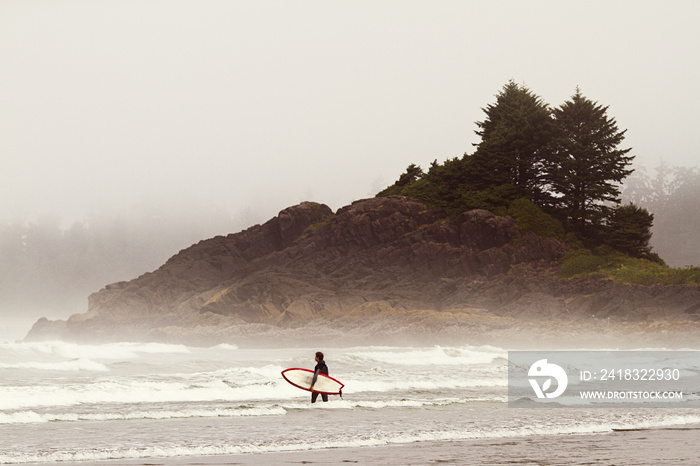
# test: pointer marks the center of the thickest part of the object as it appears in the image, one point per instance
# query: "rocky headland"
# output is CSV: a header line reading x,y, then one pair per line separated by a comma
x,y
384,270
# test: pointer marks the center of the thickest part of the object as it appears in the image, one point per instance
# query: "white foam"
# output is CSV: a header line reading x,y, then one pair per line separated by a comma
x,y
22,417
141,390
226,346
105,351
74,365
110,350
437,356
383,404
375,440
436,382
27,417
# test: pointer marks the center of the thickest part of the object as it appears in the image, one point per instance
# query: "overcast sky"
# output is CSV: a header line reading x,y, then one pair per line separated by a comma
x,y
242,105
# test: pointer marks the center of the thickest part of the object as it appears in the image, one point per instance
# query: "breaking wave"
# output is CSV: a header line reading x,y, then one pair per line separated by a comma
x,y
378,439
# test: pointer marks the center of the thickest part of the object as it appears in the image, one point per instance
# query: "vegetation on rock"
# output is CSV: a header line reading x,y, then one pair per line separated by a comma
x,y
557,171
619,267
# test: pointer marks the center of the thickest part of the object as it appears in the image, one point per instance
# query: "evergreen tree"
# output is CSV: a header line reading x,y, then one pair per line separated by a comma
x,y
510,159
413,172
585,167
442,185
629,230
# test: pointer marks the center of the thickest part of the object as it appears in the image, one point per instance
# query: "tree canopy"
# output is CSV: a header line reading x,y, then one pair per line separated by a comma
x,y
566,161
586,167
629,230
514,137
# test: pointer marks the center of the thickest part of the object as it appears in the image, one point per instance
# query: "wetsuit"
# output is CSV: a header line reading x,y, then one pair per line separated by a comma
x,y
320,368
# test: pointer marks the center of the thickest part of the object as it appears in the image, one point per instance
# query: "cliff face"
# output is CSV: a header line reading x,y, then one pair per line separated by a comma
x,y
378,266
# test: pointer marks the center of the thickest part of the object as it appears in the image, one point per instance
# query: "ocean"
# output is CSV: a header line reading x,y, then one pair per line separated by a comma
x,y
70,402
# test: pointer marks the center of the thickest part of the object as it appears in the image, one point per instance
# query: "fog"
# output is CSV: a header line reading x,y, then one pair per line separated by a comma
x,y
139,127
671,193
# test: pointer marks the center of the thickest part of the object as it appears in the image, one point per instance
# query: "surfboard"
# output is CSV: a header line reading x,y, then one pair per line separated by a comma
x,y
301,378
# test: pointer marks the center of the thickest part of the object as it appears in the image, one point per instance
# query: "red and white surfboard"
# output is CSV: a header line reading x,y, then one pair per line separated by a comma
x,y
301,378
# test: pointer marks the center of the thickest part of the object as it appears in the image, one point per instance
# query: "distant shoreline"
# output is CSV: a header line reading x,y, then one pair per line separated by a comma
x,y
512,335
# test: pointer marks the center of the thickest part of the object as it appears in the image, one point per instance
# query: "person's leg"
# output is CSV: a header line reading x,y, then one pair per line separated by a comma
x,y
324,397
314,395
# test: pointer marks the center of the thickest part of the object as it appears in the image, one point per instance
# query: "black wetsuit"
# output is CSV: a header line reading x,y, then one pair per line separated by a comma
x,y
320,368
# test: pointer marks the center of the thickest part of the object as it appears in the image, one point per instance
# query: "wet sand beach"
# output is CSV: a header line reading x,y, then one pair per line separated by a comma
x,y
662,446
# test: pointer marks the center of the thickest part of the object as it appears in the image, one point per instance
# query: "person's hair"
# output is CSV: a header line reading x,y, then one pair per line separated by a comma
x,y
319,355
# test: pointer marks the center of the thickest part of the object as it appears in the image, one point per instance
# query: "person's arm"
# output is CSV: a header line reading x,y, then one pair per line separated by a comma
x,y
313,381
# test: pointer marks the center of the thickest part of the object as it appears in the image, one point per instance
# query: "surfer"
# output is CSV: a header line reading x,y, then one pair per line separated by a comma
x,y
321,368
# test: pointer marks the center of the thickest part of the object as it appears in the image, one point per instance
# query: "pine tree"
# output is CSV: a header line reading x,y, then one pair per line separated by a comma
x,y
510,157
585,166
413,173
629,230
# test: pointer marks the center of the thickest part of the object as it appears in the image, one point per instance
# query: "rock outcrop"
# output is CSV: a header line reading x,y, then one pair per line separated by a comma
x,y
378,268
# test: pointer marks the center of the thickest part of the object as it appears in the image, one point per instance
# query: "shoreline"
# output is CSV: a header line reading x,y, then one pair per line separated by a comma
x,y
511,334
647,446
